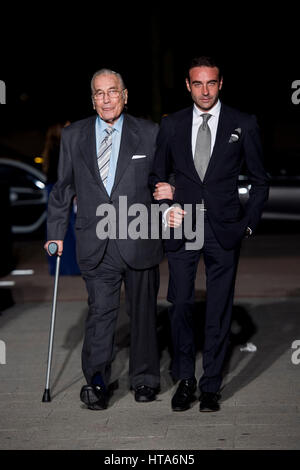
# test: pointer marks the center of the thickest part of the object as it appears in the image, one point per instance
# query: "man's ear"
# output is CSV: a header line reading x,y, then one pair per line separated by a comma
x,y
187,82
125,95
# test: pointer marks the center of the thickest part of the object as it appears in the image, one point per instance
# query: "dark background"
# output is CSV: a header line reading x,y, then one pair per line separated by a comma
x,y
49,53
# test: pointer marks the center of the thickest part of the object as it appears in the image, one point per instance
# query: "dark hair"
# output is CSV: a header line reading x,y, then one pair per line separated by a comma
x,y
204,61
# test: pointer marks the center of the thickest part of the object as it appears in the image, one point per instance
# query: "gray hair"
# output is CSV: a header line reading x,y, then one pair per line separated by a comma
x,y
107,72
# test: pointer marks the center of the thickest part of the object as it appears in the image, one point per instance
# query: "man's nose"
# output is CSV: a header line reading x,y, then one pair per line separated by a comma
x,y
205,90
106,98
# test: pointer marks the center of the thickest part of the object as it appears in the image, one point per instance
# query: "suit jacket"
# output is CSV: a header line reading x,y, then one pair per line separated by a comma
x,y
78,174
219,189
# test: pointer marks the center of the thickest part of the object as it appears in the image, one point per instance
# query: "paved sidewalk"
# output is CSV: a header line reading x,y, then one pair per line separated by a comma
x,y
260,406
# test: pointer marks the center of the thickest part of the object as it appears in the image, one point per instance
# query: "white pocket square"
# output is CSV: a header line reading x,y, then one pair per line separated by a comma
x,y
235,135
135,157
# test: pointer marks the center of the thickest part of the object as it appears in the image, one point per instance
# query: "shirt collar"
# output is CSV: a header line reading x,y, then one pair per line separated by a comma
x,y
117,125
214,111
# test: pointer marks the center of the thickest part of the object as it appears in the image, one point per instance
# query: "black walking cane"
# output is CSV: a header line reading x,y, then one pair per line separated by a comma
x,y
52,249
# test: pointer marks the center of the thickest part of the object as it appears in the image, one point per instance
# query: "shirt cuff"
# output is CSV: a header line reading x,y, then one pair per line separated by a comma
x,y
164,217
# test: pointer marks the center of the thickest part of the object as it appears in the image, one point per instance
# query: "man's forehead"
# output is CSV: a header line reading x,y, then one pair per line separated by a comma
x,y
106,80
204,71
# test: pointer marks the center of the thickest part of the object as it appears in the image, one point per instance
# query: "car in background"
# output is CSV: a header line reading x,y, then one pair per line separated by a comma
x,y
27,195
284,195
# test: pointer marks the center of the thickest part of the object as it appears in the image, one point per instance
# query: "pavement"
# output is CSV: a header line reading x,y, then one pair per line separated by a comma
x,y
260,405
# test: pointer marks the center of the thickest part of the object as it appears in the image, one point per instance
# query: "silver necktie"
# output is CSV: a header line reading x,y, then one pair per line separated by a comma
x,y
203,146
104,154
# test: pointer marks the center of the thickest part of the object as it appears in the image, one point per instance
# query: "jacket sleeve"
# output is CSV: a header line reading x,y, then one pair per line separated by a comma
x,y
62,194
162,165
259,180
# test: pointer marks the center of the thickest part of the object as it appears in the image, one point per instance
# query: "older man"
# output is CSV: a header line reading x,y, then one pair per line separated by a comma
x,y
103,158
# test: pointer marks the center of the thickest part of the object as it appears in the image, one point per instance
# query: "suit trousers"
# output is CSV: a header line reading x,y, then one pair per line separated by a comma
x,y
104,286
220,268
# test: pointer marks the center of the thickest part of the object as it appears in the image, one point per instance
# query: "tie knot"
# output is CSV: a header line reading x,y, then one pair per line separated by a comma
x,y
109,130
205,117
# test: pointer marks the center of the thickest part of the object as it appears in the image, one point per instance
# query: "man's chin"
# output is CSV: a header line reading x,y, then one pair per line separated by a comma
x,y
206,105
110,119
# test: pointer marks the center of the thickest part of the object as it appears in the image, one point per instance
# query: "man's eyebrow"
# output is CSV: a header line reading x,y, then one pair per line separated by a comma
x,y
199,82
110,88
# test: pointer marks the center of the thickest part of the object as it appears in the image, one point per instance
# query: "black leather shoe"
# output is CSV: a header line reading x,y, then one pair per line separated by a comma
x,y
209,401
184,395
143,393
94,396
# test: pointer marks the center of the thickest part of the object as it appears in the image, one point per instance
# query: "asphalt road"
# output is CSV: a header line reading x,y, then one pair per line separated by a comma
x,y
260,405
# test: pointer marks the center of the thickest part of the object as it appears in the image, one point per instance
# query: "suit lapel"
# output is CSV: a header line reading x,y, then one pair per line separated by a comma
x,y
225,126
184,139
183,145
88,149
129,142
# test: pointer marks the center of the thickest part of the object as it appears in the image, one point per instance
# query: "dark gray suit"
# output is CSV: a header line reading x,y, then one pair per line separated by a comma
x,y
105,263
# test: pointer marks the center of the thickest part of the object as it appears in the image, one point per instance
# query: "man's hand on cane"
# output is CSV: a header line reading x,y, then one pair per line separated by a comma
x,y
60,246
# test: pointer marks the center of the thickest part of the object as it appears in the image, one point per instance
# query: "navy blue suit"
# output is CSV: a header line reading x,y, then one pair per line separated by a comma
x,y
225,224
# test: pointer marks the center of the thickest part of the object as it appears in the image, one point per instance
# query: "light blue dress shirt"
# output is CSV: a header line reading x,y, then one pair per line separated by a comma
x,y
116,141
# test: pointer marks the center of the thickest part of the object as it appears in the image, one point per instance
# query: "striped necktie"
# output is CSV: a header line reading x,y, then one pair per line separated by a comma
x,y
104,154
